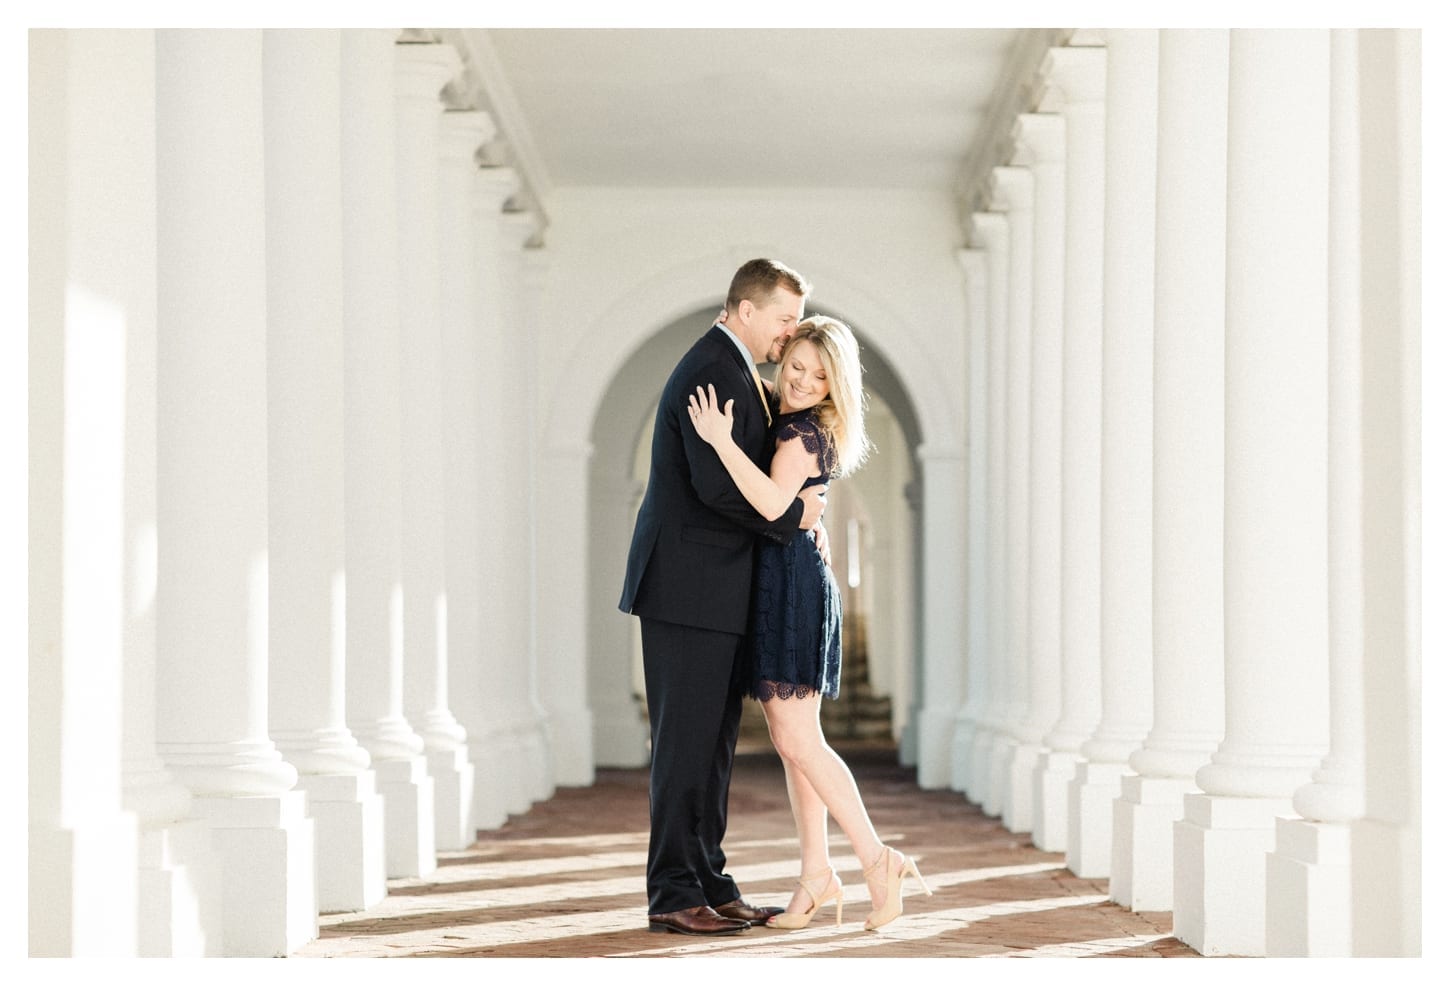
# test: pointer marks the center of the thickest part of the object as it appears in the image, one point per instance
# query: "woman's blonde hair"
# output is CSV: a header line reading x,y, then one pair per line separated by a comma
x,y
842,413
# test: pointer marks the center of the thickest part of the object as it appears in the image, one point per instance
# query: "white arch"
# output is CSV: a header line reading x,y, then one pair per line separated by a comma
x,y
617,331
575,396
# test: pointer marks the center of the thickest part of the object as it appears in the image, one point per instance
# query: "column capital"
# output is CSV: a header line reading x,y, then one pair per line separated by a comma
x,y
1078,73
463,132
1040,138
424,69
988,231
1011,188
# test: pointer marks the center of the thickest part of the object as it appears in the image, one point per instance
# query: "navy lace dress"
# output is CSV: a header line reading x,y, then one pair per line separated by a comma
x,y
795,619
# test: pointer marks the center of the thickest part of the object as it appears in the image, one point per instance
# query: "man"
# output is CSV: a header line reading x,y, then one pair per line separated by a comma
x,y
688,580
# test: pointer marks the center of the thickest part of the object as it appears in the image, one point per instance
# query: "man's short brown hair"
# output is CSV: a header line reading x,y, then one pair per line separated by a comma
x,y
757,280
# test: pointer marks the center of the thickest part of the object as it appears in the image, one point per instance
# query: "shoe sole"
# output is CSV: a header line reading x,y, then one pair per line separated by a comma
x,y
671,929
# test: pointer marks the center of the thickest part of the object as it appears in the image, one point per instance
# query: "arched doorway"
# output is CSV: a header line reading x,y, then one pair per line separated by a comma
x,y
874,520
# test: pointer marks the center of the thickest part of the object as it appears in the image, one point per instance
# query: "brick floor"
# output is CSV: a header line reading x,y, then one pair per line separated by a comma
x,y
567,880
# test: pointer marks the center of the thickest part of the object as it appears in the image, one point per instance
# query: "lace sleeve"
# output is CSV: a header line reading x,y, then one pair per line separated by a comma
x,y
816,442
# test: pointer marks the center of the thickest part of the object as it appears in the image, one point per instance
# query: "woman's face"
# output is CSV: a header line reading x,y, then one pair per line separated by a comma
x,y
802,378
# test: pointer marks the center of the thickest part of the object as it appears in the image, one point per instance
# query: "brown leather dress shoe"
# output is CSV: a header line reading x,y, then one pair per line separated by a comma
x,y
742,911
696,921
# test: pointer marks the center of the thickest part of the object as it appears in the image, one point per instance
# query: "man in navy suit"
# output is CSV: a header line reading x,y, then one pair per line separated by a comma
x,y
688,580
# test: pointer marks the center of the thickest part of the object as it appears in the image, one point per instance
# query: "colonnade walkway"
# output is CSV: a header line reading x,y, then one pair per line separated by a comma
x,y
567,880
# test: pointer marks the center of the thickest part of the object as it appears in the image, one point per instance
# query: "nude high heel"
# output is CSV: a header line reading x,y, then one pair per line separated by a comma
x,y
795,922
892,879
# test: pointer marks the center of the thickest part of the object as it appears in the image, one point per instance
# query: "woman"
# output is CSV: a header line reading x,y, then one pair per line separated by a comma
x,y
795,632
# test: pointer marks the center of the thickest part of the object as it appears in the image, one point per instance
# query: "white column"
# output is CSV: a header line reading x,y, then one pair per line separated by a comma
x,y
306,544
462,133
212,589
91,308
1275,479
178,898
1188,291
1078,74
1130,149
1387,869
423,69
990,235
973,707
1309,898
1012,192
553,724
943,607
1041,136
503,597
621,729
373,451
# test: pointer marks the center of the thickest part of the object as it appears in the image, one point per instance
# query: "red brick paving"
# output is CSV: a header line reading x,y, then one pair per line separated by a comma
x,y
567,880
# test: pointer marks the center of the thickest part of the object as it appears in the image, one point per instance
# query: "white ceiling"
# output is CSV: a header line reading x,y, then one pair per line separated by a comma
x,y
875,108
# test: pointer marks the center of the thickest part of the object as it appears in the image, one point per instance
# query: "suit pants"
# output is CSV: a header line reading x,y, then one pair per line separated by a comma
x,y
690,679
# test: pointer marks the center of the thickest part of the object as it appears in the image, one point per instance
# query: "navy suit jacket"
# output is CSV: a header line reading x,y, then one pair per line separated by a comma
x,y
692,557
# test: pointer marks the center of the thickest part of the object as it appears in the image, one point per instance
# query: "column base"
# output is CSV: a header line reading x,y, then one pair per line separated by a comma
x,y
1090,799
963,735
527,755
535,741
570,749
621,737
266,844
933,765
348,812
82,887
1219,850
1388,882
179,897
1308,901
1143,819
979,765
1019,793
998,760
408,832
452,775
1051,778
495,761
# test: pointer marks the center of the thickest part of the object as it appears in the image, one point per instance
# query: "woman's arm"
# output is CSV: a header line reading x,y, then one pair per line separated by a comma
x,y
791,466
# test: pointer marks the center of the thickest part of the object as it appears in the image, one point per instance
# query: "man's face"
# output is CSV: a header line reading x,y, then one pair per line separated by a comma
x,y
772,323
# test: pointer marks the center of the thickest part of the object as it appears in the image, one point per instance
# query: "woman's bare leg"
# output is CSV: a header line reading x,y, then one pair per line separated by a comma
x,y
810,825
811,765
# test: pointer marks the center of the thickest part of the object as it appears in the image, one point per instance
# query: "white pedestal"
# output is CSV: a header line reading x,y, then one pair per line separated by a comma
x,y
1143,819
1090,798
525,755
348,812
960,766
407,792
179,897
1018,793
998,759
268,877
621,736
452,798
1307,898
1050,780
67,923
1219,850
493,784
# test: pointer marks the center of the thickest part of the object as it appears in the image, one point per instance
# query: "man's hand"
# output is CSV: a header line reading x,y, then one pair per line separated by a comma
x,y
823,543
814,498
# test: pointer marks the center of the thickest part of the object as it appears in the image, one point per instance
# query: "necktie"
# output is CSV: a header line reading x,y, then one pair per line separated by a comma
x,y
760,389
